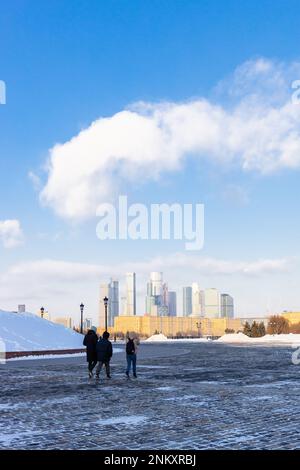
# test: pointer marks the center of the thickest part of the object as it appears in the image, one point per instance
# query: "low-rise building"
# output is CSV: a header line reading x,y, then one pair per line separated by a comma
x,y
171,326
65,321
292,317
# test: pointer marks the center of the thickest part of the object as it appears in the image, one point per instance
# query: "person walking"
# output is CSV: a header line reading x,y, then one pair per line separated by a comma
x,y
90,341
104,354
131,351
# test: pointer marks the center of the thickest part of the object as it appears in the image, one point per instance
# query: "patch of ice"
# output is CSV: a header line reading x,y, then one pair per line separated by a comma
x,y
165,389
183,398
7,439
153,367
128,420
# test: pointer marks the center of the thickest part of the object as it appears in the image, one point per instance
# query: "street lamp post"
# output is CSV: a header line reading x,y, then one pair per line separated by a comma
x,y
81,317
105,300
198,324
42,310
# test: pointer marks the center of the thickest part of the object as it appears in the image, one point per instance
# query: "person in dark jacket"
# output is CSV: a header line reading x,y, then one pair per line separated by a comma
x,y
131,350
104,354
90,341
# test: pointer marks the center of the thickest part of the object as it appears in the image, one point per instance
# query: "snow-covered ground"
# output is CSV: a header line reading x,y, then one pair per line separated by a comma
x,y
288,339
28,332
233,338
160,338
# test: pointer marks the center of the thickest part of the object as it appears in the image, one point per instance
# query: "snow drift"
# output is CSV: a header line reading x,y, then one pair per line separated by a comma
x,y
234,338
284,339
159,337
28,332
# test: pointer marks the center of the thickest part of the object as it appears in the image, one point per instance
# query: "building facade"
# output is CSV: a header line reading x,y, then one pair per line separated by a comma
x,y
227,306
172,326
111,291
67,322
292,317
130,294
172,304
211,303
196,300
157,294
187,305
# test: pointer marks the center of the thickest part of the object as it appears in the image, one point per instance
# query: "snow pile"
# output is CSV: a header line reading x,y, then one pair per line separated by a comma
x,y
154,338
288,339
234,338
28,332
162,338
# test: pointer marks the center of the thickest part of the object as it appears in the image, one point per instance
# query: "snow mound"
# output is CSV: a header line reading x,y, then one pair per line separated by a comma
x,y
234,338
287,339
159,337
28,332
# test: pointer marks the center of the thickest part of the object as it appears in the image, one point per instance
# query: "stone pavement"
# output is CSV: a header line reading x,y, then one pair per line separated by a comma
x,y
187,396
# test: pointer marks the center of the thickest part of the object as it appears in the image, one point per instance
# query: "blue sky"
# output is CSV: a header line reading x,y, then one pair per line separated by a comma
x,y
67,64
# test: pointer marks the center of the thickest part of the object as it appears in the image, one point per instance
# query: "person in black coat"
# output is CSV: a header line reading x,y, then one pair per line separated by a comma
x,y
90,341
104,354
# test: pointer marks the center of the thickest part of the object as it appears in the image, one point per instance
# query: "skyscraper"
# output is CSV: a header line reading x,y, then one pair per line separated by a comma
x,y
211,303
113,301
172,304
130,294
156,280
227,306
196,300
111,291
165,294
157,294
187,307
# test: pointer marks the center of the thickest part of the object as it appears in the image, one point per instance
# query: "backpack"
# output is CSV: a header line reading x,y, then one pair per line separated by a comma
x,y
130,347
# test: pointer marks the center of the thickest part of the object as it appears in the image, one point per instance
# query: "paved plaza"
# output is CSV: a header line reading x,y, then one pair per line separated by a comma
x,y
187,396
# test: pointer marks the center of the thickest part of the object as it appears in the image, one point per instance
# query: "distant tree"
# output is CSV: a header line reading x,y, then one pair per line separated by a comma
x,y
295,328
255,330
179,334
278,325
261,329
229,330
247,329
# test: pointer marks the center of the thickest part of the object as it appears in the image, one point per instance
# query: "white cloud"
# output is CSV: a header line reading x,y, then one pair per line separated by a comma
x,y
253,125
11,234
210,266
35,180
44,272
